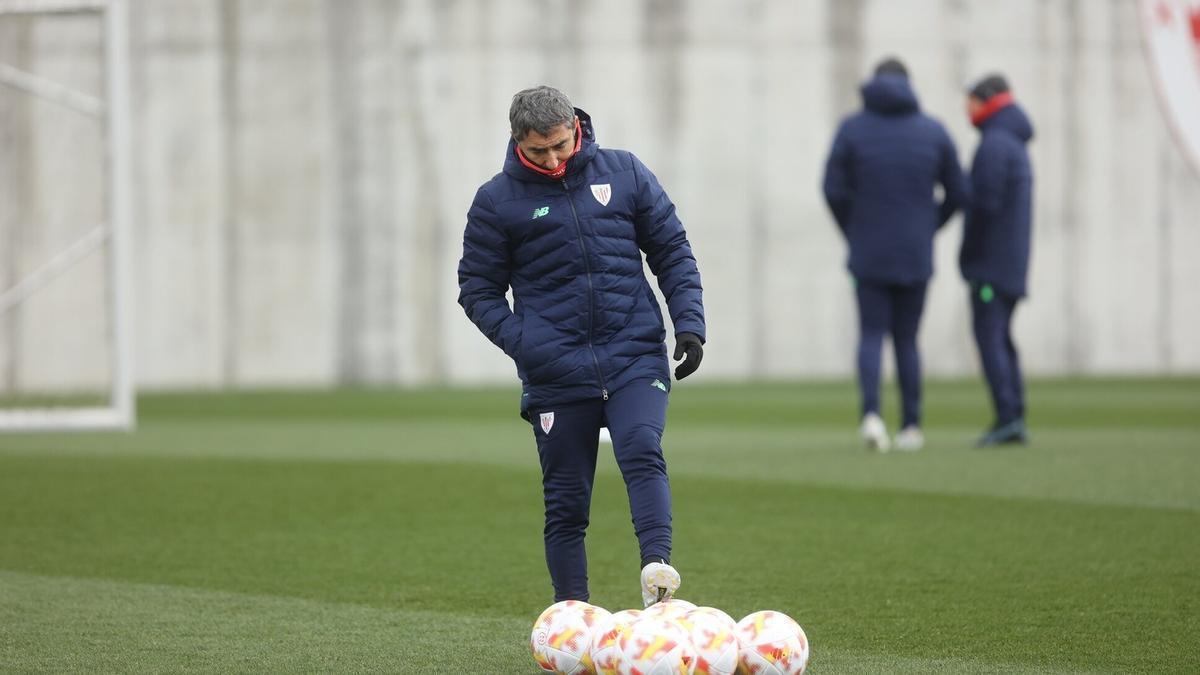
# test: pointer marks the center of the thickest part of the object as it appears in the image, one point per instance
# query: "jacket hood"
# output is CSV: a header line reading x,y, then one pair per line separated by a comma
x,y
889,95
587,150
1011,119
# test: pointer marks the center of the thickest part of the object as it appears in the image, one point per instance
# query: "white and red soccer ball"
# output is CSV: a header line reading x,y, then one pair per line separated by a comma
x,y
673,609
772,643
712,633
605,655
562,637
655,645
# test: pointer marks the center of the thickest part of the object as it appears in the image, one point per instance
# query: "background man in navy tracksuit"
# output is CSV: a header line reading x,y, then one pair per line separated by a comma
x,y
995,248
565,225
879,184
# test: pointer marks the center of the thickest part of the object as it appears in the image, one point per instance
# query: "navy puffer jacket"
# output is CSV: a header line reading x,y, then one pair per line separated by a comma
x,y
880,179
996,235
584,320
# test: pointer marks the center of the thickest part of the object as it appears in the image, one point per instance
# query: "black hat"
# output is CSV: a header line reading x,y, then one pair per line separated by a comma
x,y
891,66
988,87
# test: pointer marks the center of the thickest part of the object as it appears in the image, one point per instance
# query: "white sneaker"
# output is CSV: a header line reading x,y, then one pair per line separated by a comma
x,y
910,438
659,582
874,433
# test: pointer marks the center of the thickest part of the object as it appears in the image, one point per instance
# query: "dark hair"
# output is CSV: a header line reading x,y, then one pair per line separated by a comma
x,y
891,66
988,87
539,109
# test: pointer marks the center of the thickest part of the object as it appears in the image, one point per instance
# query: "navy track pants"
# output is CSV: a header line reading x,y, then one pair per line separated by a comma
x,y
893,309
991,318
567,439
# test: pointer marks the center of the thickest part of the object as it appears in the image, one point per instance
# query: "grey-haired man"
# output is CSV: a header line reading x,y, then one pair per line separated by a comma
x,y
565,226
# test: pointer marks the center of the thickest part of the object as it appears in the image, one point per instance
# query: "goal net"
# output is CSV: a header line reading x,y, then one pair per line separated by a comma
x,y
65,343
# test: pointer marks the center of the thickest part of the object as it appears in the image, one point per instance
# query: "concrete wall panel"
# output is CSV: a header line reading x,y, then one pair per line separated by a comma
x,y
304,168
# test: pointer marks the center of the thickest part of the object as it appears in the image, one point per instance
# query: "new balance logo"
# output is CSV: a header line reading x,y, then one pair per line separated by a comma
x,y
657,384
538,213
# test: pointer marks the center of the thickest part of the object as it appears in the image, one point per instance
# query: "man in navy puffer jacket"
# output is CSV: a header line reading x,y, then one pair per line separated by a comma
x,y
879,183
995,249
565,225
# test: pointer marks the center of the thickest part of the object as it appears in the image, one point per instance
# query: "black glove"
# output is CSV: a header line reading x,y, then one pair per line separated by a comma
x,y
689,344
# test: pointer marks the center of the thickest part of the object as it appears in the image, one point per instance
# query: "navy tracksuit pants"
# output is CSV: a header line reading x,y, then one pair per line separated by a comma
x,y
991,314
893,309
567,444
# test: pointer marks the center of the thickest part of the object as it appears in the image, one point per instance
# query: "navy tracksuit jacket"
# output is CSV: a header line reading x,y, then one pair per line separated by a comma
x,y
994,258
879,184
585,330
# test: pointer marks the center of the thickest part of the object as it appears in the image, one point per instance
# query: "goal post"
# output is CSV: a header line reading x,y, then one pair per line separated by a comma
x,y
30,410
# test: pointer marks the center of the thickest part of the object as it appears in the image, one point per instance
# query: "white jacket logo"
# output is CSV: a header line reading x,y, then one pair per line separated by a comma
x,y
547,422
602,193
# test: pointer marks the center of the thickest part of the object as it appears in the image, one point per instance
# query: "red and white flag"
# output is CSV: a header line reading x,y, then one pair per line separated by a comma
x,y
1172,30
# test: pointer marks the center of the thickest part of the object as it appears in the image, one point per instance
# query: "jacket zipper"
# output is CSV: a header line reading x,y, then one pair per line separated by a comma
x,y
587,266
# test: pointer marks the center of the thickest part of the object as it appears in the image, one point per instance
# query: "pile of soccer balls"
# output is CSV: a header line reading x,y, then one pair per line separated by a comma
x,y
673,636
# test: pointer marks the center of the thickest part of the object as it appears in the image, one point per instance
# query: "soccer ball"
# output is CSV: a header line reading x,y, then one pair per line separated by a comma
x,y
562,636
669,609
713,613
772,643
656,646
712,633
604,657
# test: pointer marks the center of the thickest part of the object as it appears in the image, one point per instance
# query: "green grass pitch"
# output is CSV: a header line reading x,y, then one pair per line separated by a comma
x,y
400,532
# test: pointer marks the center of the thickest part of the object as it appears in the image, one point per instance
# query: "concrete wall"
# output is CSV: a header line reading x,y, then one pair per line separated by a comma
x,y
303,170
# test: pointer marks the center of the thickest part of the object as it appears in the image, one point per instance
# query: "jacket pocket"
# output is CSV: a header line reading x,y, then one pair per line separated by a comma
x,y
545,356
523,344
653,302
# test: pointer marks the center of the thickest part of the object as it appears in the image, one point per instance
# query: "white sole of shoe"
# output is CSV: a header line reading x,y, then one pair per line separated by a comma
x,y
663,581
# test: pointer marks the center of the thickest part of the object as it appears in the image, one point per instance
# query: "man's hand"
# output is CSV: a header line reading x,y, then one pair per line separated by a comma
x,y
688,344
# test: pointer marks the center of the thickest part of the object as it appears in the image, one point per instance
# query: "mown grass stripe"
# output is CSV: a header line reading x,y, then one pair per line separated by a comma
x,y
57,624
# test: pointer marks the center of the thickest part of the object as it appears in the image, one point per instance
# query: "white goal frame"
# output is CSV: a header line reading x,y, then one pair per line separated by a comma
x,y
114,113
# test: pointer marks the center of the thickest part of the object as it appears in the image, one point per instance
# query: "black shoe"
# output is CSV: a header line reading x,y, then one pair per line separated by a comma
x,y
1011,433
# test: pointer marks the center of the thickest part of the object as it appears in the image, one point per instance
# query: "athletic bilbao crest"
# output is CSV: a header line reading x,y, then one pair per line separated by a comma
x,y
1172,31
547,422
602,193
